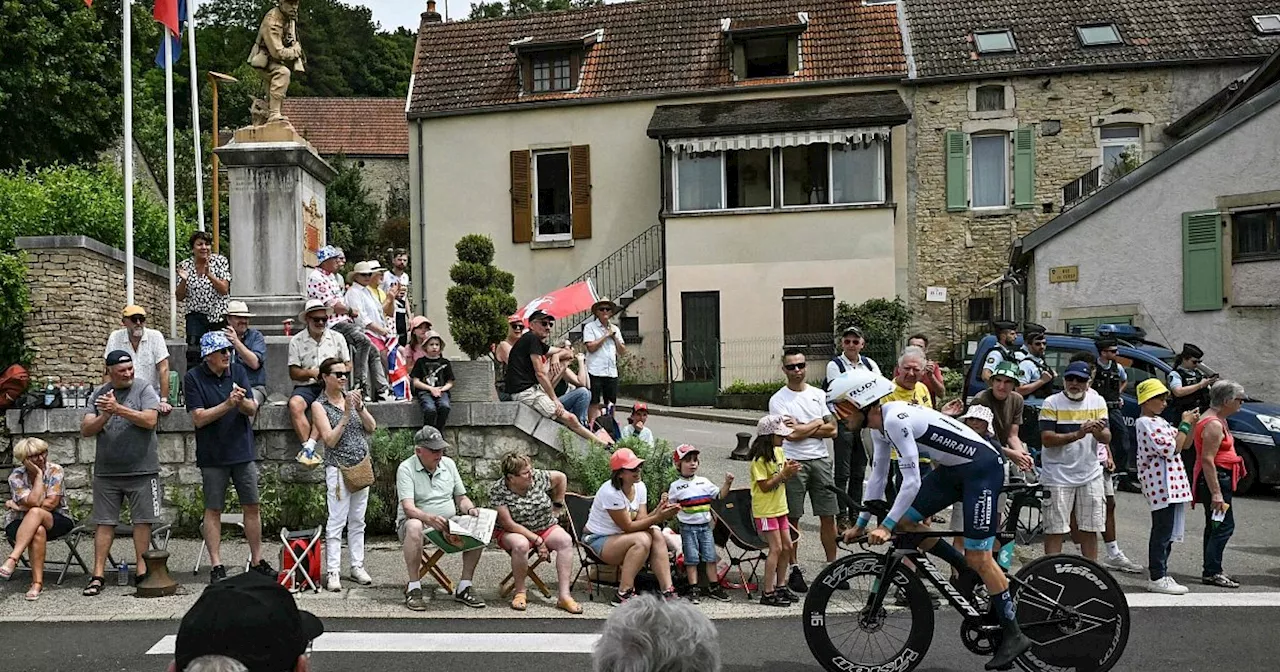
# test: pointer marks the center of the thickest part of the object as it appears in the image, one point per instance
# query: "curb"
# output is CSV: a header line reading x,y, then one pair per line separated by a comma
x,y
705,416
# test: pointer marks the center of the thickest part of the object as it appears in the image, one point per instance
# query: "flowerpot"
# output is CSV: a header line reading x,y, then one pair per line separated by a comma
x,y
473,381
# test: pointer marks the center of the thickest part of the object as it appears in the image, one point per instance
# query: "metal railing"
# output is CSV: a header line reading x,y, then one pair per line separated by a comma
x,y
759,360
619,273
1081,188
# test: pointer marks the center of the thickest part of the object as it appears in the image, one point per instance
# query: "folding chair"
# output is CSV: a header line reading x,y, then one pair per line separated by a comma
x,y
300,559
508,584
73,558
735,530
430,565
579,507
234,519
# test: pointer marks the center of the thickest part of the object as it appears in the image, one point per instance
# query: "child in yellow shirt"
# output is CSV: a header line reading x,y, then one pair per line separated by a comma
x,y
770,471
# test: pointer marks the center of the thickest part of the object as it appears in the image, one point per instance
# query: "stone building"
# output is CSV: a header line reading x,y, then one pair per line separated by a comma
x,y
368,132
1019,111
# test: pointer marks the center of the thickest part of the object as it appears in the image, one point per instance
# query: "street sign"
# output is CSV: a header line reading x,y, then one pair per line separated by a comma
x,y
1064,274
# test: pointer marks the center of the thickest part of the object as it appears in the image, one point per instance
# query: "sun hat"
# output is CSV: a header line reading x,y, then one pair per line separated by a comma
x,y
1008,370
238,309
326,253
418,321
312,306
1151,387
980,412
214,341
604,302
624,458
775,425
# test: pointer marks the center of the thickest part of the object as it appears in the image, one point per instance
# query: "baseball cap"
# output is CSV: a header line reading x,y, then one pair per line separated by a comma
x,y
418,321
131,310
640,407
624,458
1077,370
851,330
772,424
682,451
980,412
1149,388
238,309
1008,370
212,342
540,315
118,357
249,618
430,438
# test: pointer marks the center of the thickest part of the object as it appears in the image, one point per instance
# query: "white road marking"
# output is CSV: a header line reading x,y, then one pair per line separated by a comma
x,y
412,642
1193,599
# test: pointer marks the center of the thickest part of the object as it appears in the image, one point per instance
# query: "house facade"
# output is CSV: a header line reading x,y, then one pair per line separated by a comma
x,y
1191,251
1018,115
728,170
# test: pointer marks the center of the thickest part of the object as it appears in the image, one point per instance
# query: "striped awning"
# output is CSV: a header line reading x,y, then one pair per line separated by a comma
x,y
835,136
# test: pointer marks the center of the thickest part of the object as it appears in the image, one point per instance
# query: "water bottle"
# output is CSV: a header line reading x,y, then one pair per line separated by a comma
x,y
173,388
122,574
49,392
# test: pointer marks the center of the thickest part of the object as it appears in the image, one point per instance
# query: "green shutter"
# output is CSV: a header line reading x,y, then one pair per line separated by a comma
x,y
1024,167
1201,261
957,167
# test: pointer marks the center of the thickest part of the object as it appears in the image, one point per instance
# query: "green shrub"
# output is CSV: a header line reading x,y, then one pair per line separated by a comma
x,y
387,450
15,301
883,322
588,468
480,300
953,379
743,387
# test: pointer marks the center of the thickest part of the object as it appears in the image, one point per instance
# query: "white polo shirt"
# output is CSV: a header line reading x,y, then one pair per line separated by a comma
x,y
146,359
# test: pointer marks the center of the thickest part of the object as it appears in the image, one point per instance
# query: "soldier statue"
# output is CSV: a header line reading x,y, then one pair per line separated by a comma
x,y
277,54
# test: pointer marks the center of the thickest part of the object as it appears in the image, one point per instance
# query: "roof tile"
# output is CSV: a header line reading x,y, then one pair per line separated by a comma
x,y
351,126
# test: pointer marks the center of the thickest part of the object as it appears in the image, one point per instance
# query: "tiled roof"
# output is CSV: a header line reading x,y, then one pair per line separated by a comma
x,y
940,33
351,126
792,113
649,48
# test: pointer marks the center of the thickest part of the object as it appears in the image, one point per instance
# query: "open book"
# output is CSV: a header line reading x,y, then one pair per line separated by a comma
x,y
465,532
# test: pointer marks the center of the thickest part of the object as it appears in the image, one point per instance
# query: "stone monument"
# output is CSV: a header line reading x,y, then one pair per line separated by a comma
x,y
276,186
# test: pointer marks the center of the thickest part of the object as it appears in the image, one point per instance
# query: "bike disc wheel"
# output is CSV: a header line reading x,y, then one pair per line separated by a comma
x,y
843,637
1074,612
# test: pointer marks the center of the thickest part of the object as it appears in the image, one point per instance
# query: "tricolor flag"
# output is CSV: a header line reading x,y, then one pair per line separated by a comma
x,y
172,13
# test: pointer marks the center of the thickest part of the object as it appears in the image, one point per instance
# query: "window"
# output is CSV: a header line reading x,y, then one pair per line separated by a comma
x,y
981,309
807,318
767,56
994,42
806,179
822,174
989,98
1095,36
553,218
1267,24
1121,150
630,329
723,180
551,73
1255,234
989,171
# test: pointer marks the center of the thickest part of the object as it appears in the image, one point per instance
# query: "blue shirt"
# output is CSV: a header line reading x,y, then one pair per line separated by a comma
x,y
228,440
257,344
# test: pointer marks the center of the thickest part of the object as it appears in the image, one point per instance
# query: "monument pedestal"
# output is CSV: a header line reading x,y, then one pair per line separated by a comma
x,y
277,211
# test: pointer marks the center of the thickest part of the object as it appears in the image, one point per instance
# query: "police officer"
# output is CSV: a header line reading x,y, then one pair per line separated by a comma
x,y
1188,385
1109,381
1006,335
1035,383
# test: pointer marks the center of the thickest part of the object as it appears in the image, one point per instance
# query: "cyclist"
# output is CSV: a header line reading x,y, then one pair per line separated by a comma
x,y
965,466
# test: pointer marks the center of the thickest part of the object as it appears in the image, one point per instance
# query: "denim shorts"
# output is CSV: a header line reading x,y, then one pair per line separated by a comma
x,y
596,542
698,542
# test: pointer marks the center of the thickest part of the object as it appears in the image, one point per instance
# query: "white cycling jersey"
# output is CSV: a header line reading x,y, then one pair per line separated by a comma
x,y
916,431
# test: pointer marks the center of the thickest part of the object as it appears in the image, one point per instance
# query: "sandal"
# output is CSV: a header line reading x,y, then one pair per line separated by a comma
x,y
519,602
33,593
96,584
569,605
1220,580
5,570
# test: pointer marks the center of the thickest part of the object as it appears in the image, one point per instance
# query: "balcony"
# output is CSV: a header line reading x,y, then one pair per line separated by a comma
x,y
1081,188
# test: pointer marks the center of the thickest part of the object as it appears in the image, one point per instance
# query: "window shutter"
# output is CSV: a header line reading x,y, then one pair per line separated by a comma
x,y
957,166
580,187
521,197
1201,261
793,55
1024,167
739,61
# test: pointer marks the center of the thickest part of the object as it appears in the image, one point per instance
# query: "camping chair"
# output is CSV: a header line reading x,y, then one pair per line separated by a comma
x,y
593,567
73,558
735,530
430,565
508,584
234,519
300,559
159,541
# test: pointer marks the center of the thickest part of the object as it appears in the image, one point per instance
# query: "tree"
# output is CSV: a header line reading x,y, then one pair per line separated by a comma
x,y
481,299
60,93
883,323
493,10
353,220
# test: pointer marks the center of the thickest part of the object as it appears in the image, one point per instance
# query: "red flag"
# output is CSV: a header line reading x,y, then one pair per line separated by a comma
x,y
88,3
166,12
563,302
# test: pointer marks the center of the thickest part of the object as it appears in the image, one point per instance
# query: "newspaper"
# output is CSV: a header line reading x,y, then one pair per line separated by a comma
x,y
466,532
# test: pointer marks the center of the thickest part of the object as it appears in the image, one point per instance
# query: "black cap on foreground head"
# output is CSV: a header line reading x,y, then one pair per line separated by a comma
x,y
250,618
1003,325
1031,328
1108,342
118,357
1191,352
539,315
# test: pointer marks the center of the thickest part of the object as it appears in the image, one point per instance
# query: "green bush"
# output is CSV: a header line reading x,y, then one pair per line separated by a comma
x,y
480,300
953,379
15,301
883,322
387,450
743,387
587,469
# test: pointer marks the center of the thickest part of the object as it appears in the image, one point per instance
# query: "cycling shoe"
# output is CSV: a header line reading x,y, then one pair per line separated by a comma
x,y
1013,644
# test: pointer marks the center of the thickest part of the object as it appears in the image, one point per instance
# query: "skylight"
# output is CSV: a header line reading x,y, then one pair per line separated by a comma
x,y
1268,24
1093,36
994,41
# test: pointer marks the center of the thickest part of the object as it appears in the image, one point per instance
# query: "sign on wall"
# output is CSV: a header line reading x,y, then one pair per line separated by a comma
x,y
936,294
1064,274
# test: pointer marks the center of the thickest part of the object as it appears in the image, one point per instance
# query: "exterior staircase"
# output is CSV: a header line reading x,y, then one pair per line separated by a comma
x,y
630,272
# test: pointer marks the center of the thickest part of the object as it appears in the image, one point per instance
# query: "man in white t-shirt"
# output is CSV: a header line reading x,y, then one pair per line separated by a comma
x,y
811,423
604,343
850,456
1072,424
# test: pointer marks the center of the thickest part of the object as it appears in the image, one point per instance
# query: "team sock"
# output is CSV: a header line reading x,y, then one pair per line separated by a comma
x,y
1003,603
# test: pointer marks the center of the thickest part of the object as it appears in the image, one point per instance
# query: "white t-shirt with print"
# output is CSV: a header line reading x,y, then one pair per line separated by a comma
x,y
805,406
609,498
1077,462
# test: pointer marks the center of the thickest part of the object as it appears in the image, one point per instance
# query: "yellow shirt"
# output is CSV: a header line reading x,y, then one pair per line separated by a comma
x,y
773,503
918,397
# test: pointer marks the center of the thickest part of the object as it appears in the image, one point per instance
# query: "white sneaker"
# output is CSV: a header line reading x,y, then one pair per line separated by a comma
x,y
1120,562
361,577
333,584
1167,586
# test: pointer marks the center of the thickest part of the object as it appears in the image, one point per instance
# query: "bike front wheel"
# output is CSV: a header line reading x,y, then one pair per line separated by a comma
x,y
1074,612
844,633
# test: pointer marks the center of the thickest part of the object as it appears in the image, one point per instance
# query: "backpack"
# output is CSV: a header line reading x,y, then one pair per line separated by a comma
x,y
839,360
13,384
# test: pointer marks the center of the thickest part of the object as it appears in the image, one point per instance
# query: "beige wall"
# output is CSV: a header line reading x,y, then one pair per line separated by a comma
x,y
465,188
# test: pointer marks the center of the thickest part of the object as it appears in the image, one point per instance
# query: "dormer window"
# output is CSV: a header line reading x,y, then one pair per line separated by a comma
x,y
994,41
551,72
767,57
765,47
552,66
1099,35
1267,24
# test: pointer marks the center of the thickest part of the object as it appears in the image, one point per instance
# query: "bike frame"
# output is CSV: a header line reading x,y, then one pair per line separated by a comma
x,y
904,549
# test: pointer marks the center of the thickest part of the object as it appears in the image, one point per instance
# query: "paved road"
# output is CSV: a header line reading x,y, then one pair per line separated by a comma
x,y
1185,640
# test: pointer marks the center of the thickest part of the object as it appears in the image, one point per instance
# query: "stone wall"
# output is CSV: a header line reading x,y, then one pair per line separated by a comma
x,y
380,175
77,290
478,433
963,251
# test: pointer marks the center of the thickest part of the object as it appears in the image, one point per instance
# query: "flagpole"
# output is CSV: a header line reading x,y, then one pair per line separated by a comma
x,y
173,249
126,61
195,111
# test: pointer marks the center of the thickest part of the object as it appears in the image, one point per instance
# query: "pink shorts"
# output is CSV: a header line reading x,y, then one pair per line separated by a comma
x,y
500,534
770,524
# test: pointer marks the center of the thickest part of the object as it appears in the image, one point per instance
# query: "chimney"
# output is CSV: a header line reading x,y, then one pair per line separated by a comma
x,y
431,15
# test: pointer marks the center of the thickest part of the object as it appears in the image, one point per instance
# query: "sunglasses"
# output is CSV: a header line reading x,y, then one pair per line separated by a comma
x,y
632,470
516,326
318,320
794,367
1111,351
547,323
138,319
339,374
